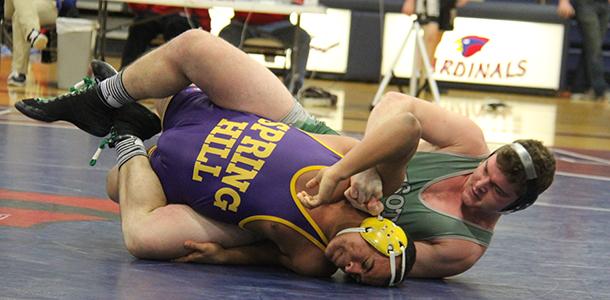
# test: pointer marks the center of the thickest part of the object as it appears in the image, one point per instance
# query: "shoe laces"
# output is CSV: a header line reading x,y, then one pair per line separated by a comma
x,y
109,141
81,87
84,84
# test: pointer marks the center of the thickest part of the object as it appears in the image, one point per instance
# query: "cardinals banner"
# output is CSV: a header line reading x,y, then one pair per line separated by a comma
x,y
485,51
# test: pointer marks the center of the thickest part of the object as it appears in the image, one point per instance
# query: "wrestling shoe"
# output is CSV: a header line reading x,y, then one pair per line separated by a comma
x,y
99,70
42,110
129,121
137,120
83,108
102,70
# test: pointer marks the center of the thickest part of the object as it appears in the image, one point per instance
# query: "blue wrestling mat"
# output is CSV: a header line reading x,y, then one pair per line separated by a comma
x,y
60,238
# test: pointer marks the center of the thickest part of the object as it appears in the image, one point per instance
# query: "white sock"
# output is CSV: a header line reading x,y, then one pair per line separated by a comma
x,y
127,148
114,91
297,115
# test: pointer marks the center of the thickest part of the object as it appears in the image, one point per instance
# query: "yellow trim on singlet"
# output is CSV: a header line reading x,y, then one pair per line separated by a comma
x,y
297,202
322,143
151,150
294,227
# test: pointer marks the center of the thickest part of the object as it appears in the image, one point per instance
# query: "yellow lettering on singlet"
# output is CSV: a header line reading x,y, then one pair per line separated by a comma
x,y
200,167
208,147
229,128
227,195
279,125
268,133
258,148
242,176
219,142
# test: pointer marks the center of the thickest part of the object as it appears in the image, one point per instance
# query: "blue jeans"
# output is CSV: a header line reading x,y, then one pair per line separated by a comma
x,y
283,31
592,18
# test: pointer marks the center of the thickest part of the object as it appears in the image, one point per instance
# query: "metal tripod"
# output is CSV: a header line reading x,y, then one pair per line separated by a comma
x,y
421,47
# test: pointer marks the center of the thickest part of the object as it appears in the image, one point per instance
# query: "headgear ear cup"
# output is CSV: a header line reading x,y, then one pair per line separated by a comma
x,y
530,195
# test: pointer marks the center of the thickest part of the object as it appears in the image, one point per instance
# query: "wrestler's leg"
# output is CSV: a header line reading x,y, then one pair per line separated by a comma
x,y
231,78
154,230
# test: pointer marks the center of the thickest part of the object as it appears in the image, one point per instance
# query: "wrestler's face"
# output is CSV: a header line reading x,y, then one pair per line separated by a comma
x,y
487,189
357,258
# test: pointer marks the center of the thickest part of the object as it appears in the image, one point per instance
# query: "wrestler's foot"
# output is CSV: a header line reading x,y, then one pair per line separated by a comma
x,y
83,108
102,70
137,120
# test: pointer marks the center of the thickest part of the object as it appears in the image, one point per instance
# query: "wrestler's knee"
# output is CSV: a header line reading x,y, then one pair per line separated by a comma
x,y
414,126
190,40
139,242
395,101
394,96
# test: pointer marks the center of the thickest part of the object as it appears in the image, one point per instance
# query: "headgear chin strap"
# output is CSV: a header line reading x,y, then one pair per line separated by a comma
x,y
387,238
530,195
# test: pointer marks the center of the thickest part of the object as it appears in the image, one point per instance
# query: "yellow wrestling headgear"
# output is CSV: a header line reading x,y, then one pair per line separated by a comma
x,y
387,238
384,235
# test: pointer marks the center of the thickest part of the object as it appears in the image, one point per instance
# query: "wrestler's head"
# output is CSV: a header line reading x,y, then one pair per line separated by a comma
x,y
511,178
376,253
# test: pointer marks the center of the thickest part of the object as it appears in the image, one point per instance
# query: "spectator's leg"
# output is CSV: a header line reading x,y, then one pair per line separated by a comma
x,y
47,12
600,85
589,21
432,37
581,82
27,16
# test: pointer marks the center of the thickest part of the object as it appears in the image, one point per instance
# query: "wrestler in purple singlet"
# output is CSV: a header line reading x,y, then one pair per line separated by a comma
x,y
236,167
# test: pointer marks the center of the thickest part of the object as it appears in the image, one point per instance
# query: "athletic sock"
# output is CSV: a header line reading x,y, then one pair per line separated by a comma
x,y
298,117
127,147
114,92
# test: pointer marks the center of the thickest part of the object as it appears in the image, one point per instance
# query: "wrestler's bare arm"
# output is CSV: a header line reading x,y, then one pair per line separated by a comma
x,y
387,147
305,260
445,257
258,253
464,136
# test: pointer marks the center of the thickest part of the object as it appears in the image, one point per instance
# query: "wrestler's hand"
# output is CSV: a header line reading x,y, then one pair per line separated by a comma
x,y
365,192
203,253
326,180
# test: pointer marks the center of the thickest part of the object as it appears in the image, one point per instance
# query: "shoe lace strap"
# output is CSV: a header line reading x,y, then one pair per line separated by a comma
x,y
84,84
111,140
